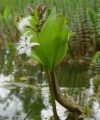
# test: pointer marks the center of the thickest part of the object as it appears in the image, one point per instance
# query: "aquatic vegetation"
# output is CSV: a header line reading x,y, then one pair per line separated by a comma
x,y
95,64
43,36
53,43
50,35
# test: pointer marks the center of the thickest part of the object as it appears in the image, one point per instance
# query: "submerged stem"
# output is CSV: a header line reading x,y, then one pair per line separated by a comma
x,y
52,97
68,103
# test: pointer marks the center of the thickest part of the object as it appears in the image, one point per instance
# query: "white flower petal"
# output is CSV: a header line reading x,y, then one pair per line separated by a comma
x,y
24,22
34,44
18,48
25,44
28,52
22,43
22,50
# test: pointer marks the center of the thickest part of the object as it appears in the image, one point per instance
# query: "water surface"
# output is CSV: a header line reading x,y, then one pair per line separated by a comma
x,y
24,92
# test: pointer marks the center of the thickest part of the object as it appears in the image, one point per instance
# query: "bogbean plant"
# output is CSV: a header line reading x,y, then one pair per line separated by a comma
x,y
44,37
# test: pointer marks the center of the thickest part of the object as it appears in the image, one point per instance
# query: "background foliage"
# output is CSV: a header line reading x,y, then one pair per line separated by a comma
x,y
83,18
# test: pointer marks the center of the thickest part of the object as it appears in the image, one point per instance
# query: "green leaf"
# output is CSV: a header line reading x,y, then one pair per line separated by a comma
x,y
92,16
96,58
34,56
12,48
6,13
53,40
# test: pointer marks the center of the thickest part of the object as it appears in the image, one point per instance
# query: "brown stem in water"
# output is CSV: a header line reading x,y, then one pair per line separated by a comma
x,y
68,103
52,97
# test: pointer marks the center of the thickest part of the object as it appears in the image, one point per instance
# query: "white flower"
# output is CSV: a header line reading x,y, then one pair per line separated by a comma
x,y
24,22
25,45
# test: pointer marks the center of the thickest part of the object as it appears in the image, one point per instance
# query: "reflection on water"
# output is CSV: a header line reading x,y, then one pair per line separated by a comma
x,y
46,113
4,78
10,104
30,100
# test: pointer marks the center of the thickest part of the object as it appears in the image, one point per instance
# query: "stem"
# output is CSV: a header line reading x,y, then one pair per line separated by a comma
x,y
52,97
41,74
68,103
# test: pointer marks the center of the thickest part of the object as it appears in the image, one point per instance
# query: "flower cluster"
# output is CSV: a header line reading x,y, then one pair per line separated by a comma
x,y
24,22
25,45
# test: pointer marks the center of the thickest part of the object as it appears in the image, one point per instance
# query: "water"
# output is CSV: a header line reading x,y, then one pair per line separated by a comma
x,y
24,92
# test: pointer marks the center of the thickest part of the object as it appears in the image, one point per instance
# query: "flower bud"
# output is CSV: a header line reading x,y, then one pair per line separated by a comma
x,y
39,8
21,16
17,19
43,9
31,11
